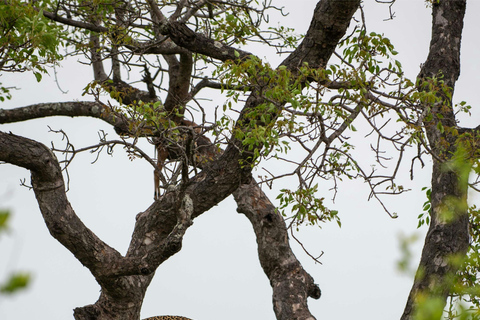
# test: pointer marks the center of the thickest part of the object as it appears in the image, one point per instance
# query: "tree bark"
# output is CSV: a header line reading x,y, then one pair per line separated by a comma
x,y
447,236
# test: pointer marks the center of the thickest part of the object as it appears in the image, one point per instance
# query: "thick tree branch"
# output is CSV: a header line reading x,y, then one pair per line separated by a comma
x,y
179,74
291,284
99,73
70,109
170,243
198,43
163,46
73,23
328,26
194,42
49,188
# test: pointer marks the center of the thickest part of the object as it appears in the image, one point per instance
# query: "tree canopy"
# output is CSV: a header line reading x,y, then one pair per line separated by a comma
x,y
190,80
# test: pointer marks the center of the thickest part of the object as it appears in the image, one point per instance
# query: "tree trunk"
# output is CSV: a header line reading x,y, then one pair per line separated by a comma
x,y
448,236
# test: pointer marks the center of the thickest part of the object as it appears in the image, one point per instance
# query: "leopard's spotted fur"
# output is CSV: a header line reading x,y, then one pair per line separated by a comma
x,y
167,318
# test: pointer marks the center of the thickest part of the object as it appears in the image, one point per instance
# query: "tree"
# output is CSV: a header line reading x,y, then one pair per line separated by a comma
x,y
449,208
311,99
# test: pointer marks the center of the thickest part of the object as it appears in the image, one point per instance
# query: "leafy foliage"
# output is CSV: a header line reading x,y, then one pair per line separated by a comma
x,y
4,216
424,217
15,282
305,206
28,40
18,280
467,289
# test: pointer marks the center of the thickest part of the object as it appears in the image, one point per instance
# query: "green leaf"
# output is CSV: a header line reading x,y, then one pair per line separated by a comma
x,y
440,127
4,216
38,76
16,282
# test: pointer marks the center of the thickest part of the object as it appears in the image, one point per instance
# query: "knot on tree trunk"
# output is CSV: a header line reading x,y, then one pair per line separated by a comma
x,y
89,312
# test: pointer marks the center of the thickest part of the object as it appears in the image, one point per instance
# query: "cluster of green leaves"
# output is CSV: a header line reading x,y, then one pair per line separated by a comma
x,y
404,264
368,62
305,207
431,99
241,24
143,118
469,143
467,288
278,87
287,36
372,50
5,93
28,40
234,27
424,217
4,216
431,93
17,280
428,308
260,128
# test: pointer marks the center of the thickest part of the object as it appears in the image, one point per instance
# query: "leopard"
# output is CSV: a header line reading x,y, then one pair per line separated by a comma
x,y
167,318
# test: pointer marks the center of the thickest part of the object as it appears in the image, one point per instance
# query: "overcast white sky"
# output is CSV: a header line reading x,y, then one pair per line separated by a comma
x,y
217,275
